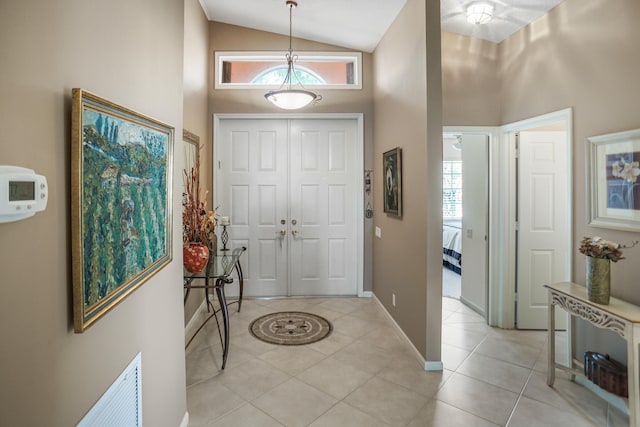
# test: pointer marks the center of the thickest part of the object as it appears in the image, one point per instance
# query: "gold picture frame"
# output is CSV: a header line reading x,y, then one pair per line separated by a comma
x,y
121,203
191,153
191,149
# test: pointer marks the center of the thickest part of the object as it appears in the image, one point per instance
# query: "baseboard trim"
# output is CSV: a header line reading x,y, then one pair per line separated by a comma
x,y
433,366
401,332
366,294
473,307
185,420
196,320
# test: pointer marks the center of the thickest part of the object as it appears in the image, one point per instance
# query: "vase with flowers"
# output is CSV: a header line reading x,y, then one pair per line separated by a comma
x,y
198,224
600,253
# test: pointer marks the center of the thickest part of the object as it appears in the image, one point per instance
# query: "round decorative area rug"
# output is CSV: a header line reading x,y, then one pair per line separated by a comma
x,y
290,328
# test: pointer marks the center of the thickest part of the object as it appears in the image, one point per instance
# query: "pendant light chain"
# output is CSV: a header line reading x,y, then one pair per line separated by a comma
x,y
291,5
291,74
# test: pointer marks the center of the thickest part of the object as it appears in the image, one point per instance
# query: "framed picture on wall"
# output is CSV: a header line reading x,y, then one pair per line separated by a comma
x,y
191,143
613,165
191,149
392,167
121,186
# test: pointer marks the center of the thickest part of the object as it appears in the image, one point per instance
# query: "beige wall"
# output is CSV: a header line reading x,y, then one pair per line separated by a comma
x,y
196,101
224,37
400,257
584,55
470,81
129,52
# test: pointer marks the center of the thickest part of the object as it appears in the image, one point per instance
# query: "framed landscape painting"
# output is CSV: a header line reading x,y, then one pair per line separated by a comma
x,y
121,178
613,165
392,166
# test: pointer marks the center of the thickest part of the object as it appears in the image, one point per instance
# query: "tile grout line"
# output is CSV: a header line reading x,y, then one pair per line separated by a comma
x,y
520,396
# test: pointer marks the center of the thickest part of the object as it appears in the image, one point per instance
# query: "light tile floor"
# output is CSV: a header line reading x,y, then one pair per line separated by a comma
x,y
451,284
365,374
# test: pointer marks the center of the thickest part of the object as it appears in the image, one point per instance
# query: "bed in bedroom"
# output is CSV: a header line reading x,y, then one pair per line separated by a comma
x,y
452,245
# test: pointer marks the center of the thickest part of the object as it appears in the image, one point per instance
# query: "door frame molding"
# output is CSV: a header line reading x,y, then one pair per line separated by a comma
x,y
359,118
506,286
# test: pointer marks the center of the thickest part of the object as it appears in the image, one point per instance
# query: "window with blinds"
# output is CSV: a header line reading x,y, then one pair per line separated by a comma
x,y
452,189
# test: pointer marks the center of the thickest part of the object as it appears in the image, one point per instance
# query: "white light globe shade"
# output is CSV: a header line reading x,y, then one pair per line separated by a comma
x,y
290,99
479,13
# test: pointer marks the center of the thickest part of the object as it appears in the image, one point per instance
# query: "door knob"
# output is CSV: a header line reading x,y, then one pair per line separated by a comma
x,y
282,233
294,233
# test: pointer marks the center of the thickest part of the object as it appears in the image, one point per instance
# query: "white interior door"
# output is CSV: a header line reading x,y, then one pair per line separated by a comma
x,y
323,207
543,232
475,202
252,189
290,190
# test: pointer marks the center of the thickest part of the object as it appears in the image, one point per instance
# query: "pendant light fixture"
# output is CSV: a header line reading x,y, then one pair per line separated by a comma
x,y
290,96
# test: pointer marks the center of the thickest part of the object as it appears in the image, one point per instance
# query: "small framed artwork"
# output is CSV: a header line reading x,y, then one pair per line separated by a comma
x,y
191,149
613,166
191,143
121,186
392,166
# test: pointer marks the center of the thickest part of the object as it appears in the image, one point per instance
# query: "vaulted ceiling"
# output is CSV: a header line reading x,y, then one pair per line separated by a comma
x,y
360,24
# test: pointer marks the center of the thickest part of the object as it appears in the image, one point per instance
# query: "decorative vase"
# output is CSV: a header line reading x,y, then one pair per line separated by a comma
x,y
195,257
598,280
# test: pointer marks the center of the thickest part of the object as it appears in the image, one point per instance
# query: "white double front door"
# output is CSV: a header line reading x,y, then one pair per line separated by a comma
x,y
290,188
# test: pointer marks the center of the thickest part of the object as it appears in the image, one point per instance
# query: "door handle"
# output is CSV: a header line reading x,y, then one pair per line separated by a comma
x,y
294,233
283,232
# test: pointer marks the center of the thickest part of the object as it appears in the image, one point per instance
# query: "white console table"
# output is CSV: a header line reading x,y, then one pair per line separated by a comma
x,y
618,316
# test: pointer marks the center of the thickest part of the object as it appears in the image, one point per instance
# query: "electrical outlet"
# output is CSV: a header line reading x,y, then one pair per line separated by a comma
x,y
393,300
378,232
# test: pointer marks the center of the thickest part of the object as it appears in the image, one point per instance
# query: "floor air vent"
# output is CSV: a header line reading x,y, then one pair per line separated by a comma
x,y
121,404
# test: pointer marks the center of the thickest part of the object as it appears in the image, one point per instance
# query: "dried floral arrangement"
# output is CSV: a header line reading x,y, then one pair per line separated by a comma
x,y
597,247
198,224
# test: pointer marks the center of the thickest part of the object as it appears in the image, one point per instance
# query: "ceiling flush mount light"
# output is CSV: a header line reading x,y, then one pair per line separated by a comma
x,y
479,13
288,96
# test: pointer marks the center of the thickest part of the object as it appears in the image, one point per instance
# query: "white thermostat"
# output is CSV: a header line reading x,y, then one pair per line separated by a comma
x,y
22,193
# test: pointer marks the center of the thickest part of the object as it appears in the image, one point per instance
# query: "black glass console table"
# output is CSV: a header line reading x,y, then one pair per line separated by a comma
x,y
216,275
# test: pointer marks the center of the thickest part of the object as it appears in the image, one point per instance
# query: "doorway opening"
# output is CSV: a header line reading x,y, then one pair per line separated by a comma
x,y
451,215
540,211
465,229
